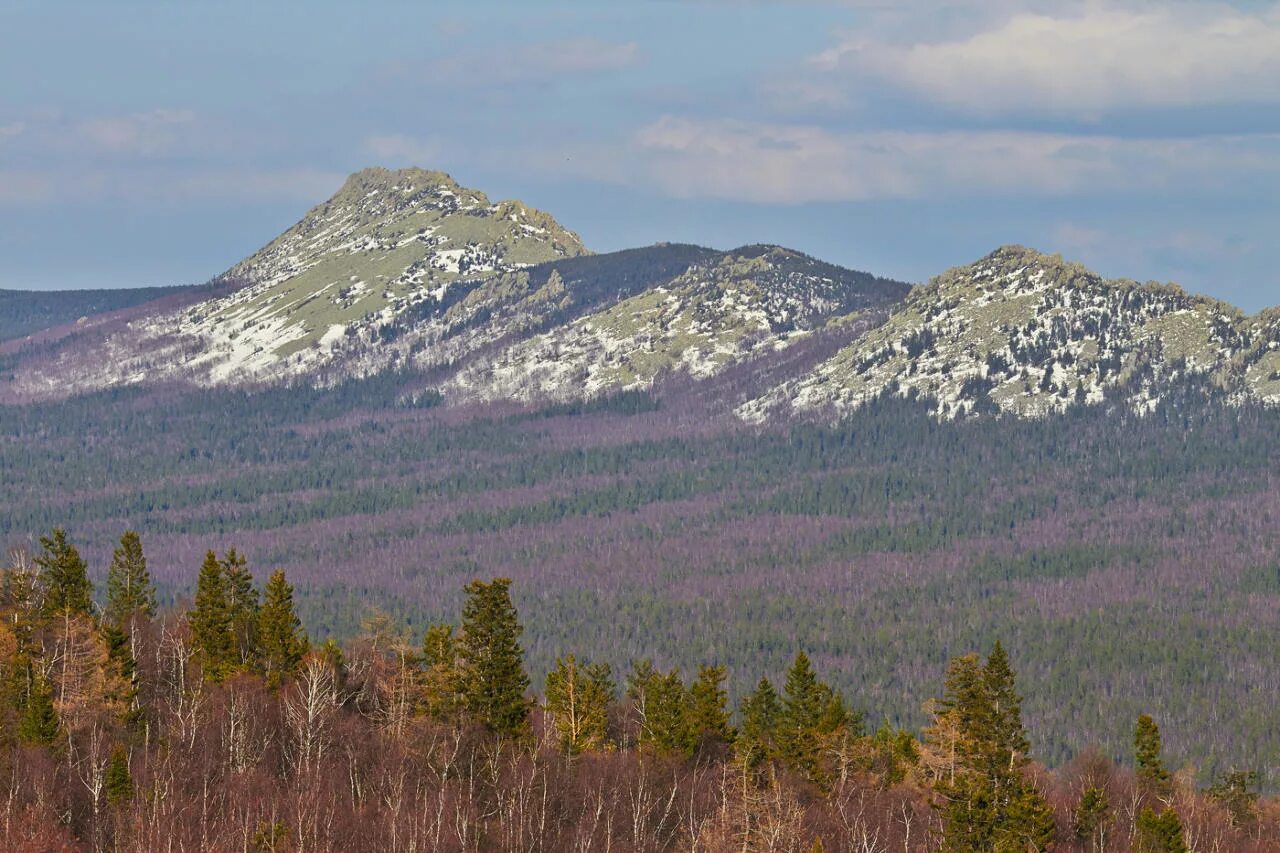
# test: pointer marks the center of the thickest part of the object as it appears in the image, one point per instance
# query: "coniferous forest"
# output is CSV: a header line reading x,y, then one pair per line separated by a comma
x,y
221,726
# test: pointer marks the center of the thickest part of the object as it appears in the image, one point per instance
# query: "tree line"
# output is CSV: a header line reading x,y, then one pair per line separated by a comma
x,y
223,727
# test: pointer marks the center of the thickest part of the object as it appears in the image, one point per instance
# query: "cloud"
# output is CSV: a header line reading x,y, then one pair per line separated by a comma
x,y
139,135
1095,58
790,164
11,131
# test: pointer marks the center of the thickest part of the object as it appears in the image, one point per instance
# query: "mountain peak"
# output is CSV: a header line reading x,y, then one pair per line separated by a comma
x,y
1028,333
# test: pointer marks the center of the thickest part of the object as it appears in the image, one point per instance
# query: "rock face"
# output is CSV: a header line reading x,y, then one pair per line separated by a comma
x,y
1029,334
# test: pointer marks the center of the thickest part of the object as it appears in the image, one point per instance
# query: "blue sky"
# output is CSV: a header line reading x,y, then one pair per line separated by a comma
x,y
147,144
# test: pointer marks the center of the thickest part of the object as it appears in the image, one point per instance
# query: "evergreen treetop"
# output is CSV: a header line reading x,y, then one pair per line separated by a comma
x,y
64,578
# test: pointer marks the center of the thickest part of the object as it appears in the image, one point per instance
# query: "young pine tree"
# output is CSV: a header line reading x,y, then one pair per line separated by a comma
x,y
666,721
210,620
1091,817
281,640
577,701
64,579
495,682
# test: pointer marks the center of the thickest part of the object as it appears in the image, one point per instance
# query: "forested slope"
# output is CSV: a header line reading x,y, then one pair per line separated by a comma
x,y
1130,559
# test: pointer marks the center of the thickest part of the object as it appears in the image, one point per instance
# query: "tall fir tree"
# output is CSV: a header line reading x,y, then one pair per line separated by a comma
x,y
1009,738
281,640
496,684
64,578
578,696
130,591
708,710
210,620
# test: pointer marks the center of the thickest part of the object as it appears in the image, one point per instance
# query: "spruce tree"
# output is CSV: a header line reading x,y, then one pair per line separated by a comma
x,y
281,641
1146,753
708,710
1091,816
985,801
210,620
1158,832
496,684
129,588
577,701
761,713
243,604
811,713
119,782
441,674
38,724
666,723
64,578
1009,739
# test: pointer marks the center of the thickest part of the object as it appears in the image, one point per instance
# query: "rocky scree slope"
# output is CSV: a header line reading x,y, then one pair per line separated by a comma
x,y
1029,334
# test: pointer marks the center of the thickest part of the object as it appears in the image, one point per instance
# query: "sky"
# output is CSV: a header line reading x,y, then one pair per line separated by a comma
x,y
158,143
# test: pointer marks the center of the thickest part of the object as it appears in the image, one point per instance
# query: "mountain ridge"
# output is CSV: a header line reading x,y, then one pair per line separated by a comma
x,y
409,270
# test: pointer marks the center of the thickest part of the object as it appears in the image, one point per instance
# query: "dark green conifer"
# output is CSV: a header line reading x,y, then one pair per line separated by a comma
x,y
243,605
1158,832
1009,739
38,724
1092,815
210,620
1146,753
64,578
119,782
761,713
811,713
708,710
495,684
129,588
281,640
442,695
